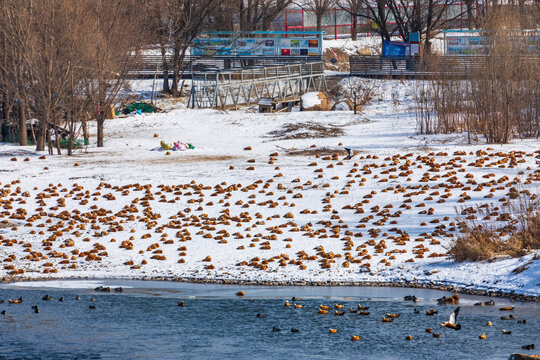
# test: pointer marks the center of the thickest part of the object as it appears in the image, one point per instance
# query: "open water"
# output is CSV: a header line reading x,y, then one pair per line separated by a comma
x,y
145,322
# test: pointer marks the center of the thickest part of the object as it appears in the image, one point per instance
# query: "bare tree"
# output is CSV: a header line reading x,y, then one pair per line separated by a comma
x,y
319,9
354,8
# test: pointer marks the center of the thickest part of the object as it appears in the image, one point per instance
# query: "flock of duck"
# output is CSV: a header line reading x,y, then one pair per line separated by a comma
x,y
337,310
265,224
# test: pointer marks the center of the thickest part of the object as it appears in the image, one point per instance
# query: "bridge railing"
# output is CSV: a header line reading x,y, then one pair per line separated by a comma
x,y
433,66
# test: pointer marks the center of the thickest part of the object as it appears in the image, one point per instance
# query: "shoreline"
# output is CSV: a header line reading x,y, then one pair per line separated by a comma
x,y
449,287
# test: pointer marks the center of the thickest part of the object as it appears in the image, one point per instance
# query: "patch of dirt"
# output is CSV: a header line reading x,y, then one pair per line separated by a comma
x,y
192,159
336,59
5,224
319,151
307,130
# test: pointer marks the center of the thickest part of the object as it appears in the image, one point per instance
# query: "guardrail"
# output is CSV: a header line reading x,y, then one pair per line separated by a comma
x,y
434,66
152,65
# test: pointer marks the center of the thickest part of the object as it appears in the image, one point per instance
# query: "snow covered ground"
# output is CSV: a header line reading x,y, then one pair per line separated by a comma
x,y
268,197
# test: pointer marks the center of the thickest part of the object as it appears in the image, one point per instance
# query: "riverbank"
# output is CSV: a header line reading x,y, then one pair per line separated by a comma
x,y
452,288
267,199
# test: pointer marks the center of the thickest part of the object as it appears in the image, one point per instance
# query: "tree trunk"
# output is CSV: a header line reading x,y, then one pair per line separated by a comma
x,y
354,27
23,135
100,123
40,141
165,65
176,67
469,4
319,22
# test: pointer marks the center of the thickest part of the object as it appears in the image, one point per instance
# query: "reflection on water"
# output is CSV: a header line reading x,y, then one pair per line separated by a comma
x,y
145,321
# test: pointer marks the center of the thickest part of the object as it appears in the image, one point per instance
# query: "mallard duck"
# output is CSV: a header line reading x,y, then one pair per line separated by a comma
x,y
355,338
451,323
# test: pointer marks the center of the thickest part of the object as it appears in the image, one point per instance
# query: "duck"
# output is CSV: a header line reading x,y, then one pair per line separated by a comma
x,y
18,301
3,312
298,306
489,323
92,307
509,317
479,304
393,316
360,307
489,303
451,323
324,307
241,293
408,337
287,303
384,319
483,336
416,311
322,312
411,298
260,316
364,313
294,330
61,299
506,308
275,329
353,311
355,338
294,298
36,309
506,332
429,330
431,312
339,313
181,303
338,306
77,298
528,347
436,335
524,321
333,331
46,298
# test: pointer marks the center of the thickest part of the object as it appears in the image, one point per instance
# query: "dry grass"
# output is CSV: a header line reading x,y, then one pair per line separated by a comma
x,y
306,130
514,231
318,151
